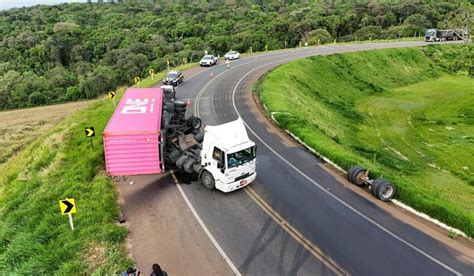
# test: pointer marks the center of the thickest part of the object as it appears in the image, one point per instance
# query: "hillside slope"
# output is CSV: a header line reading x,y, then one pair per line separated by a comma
x,y
400,112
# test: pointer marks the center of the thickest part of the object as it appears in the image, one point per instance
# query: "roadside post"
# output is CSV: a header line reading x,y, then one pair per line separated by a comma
x,y
251,50
185,60
266,47
112,97
68,207
90,132
151,72
137,81
168,64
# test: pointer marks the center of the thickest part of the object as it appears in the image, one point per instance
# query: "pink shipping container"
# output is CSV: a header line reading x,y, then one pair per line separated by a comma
x,y
132,135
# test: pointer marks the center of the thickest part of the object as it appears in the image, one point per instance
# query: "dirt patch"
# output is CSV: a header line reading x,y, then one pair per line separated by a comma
x,y
21,126
163,230
96,256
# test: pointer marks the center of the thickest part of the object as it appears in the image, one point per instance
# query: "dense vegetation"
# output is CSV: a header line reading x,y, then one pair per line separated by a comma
x,y
406,114
51,54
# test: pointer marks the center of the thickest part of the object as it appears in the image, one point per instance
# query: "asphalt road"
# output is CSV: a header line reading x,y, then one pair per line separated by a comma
x,y
344,227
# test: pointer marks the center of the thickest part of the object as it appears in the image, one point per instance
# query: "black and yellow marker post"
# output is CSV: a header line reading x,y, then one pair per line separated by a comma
x,y
112,97
90,132
68,207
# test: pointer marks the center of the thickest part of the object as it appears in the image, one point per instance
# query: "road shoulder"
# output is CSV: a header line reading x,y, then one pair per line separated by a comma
x,y
163,229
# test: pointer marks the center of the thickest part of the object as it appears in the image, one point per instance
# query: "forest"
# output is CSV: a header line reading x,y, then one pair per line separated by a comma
x,y
67,52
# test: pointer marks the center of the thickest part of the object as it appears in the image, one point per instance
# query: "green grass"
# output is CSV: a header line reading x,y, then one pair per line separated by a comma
x,y
34,237
393,111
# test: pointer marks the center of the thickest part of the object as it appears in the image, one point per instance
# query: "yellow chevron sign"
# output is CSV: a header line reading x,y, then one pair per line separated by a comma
x,y
67,206
111,95
90,132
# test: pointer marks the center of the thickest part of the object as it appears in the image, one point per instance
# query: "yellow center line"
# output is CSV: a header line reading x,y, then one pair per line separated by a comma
x,y
290,229
297,235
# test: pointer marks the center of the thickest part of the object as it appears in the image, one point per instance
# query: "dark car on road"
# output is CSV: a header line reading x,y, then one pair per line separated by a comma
x,y
173,78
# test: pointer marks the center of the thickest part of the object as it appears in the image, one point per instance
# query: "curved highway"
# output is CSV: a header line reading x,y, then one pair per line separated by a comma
x,y
297,218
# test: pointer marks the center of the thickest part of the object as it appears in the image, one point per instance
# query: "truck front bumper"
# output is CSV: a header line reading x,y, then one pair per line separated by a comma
x,y
232,186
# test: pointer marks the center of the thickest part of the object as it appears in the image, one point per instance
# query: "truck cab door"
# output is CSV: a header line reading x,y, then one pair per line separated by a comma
x,y
217,167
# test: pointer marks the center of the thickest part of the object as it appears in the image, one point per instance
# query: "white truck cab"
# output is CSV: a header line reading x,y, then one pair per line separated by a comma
x,y
228,157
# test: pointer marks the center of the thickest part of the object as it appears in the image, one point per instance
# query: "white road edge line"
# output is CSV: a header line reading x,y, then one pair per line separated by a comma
x,y
205,229
329,193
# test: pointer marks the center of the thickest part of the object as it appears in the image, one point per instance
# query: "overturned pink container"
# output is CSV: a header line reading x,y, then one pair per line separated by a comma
x,y
132,135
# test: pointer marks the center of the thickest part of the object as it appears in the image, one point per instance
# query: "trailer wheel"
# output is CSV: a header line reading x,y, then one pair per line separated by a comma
x,y
373,187
383,189
355,174
208,180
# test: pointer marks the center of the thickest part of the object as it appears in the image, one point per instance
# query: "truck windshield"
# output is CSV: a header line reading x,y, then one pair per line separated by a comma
x,y
430,32
238,158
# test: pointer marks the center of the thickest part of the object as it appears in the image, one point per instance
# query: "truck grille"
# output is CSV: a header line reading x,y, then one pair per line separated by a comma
x,y
243,176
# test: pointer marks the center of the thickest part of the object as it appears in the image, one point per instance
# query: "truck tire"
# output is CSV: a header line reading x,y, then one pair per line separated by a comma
x,y
383,189
354,175
373,187
194,122
207,180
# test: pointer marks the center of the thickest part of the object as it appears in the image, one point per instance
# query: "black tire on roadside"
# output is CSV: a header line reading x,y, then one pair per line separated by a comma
x,y
382,182
350,171
385,190
353,173
357,177
207,180
374,185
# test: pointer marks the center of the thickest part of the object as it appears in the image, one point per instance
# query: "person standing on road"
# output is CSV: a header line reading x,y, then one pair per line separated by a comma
x,y
156,271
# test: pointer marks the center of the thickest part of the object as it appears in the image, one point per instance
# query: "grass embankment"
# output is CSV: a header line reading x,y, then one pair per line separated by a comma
x,y
20,127
34,237
394,111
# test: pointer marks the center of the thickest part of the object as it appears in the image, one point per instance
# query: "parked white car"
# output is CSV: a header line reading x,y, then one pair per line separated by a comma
x,y
232,55
208,60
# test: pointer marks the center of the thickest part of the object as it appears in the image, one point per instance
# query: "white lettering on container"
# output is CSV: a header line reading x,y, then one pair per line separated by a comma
x,y
137,106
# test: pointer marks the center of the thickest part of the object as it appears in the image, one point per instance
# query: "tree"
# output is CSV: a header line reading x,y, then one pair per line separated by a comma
x,y
415,23
81,50
37,98
319,36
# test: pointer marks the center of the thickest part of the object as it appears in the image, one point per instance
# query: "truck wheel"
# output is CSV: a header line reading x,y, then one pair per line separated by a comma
x,y
373,187
208,180
194,122
383,189
354,175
